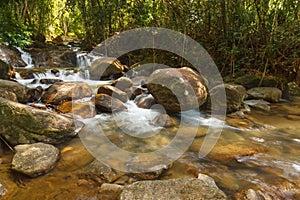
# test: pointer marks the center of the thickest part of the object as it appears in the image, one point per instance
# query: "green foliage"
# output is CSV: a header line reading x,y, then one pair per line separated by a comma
x,y
253,34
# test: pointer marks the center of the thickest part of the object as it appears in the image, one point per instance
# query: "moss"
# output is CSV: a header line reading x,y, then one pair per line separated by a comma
x,y
23,124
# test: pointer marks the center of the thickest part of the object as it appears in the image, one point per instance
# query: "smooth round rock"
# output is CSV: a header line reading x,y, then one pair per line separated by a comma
x,y
35,159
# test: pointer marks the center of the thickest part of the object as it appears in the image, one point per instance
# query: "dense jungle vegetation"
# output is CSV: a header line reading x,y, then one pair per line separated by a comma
x,y
258,35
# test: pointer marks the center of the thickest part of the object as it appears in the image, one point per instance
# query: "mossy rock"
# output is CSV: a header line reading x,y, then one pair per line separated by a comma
x,y
251,81
6,71
22,124
21,91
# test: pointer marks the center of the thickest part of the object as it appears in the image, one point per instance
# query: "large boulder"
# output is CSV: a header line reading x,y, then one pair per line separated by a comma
x,y
270,94
183,188
235,95
114,92
106,67
177,89
21,91
61,92
106,103
22,124
6,71
35,159
11,57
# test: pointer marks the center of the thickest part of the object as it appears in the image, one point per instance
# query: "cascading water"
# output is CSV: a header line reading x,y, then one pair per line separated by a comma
x,y
26,57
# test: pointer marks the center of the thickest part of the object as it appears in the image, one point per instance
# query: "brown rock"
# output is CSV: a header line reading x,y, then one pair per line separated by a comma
x,y
145,101
21,91
11,57
6,71
83,109
106,67
164,120
66,91
230,152
177,89
113,92
135,91
235,95
105,103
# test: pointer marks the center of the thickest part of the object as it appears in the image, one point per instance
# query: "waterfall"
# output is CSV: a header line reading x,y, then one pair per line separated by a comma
x,y
26,57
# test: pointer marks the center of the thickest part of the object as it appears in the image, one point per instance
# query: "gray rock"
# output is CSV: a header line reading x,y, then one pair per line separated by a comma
x,y
61,92
21,91
3,189
259,104
294,89
235,95
123,83
177,89
22,124
35,159
271,94
111,188
173,189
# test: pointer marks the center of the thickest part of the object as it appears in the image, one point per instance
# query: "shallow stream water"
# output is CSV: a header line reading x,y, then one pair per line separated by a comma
x,y
261,153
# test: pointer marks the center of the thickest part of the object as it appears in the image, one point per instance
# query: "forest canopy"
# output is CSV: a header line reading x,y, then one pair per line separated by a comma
x,y
259,34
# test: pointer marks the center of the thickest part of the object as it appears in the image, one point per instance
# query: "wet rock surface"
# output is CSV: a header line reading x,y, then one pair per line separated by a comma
x,y
61,92
184,188
177,89
11,57
83,109
100,172
106,67
113,92
35,159
145,101
106,103
24,124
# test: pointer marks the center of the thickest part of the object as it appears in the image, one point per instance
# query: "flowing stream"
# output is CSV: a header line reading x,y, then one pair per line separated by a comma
x,y
258,151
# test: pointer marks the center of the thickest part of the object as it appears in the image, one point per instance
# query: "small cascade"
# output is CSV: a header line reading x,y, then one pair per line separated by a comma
x,y
26,57
51,76
85,60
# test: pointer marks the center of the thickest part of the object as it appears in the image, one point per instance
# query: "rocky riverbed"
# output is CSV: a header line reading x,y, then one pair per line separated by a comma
x,y
50,135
